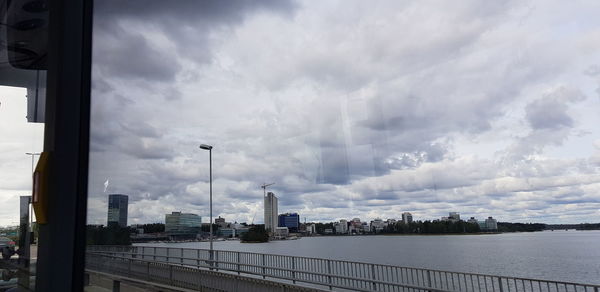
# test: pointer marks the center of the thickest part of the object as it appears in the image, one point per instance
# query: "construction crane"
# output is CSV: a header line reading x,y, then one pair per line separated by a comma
x,y
253,217
264,187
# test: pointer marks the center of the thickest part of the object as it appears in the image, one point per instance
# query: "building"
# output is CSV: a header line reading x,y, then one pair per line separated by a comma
x,y
311,229
270,212
355,226
366,227
221,222
454,216
227,232
182,223
341,227
407,218
117,210
281,232
472,220
289,220
491,224
377,225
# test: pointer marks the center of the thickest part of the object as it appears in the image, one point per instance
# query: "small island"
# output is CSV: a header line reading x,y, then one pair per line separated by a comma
x,y
256,234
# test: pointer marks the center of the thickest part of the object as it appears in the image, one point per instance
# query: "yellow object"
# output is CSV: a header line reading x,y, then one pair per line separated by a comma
x,y
39,199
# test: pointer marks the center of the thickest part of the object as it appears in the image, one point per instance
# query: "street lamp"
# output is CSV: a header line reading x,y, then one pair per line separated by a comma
x,y
209,148
32,154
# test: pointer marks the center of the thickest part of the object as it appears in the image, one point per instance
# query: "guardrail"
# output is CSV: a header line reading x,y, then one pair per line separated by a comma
x,y
336,274
167,276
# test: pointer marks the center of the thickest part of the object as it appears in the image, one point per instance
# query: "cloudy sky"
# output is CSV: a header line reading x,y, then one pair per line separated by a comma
x,y
352,109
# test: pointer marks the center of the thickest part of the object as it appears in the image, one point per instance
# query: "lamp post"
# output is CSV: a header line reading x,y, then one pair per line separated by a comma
x,y
32,154
209,148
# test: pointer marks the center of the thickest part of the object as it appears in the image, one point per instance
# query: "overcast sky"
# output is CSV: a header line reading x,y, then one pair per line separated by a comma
x,y
352,108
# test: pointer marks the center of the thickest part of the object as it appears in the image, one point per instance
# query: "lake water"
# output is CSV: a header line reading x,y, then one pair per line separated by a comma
x,y
572,256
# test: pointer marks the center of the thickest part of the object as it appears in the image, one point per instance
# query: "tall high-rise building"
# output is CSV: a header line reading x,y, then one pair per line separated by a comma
x,y
270,212
407,218
117,209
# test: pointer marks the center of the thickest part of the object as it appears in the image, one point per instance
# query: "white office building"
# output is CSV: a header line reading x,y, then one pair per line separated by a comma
x,y
407,218
341,227
271,214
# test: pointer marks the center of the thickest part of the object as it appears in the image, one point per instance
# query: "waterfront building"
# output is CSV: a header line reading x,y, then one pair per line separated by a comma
x,y
290,220
182,223
311,228
491,224
472,220
366,227
355,226
454,216
407,218
377,225
341,227
270,212
328,231
221,222
117,210
227,232
281,232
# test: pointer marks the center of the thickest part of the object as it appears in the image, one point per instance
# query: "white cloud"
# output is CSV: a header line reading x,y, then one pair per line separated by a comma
x,y
352,109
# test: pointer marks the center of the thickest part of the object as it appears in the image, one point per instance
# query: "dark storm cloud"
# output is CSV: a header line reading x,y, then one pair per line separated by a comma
x,y
124,46
131,56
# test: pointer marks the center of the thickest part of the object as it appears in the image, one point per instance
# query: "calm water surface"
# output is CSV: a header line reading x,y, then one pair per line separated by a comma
x,y
572,256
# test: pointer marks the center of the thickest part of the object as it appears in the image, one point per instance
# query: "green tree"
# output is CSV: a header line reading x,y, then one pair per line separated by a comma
x,y
256,233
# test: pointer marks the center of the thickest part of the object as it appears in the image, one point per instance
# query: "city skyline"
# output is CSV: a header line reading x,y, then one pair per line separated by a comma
x,y
352,109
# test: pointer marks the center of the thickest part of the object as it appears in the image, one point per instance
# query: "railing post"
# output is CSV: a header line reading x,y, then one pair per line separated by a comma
x,y
329,274
263,266
217,260
198,258
500,283
294,270
429,279
373,276
171,274
238,262
148,271
129,268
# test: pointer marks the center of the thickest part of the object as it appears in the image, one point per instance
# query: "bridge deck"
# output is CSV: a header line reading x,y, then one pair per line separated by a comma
x,y
158,264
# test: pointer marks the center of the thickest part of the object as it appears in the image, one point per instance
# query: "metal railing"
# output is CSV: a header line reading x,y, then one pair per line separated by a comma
x,y
336,274
167,276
